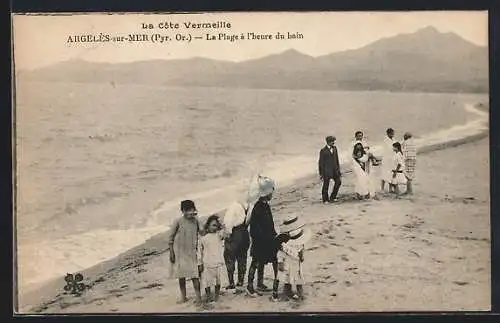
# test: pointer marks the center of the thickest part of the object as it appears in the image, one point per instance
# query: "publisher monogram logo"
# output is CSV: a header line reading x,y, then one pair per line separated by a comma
x,y
74,283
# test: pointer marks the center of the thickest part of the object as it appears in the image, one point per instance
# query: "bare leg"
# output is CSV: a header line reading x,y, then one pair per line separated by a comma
x,y
230,266
208,294
182,287
242,267
300,292
196,286
260,277
276,282
251,274
382,185
409,187
217,292
287,290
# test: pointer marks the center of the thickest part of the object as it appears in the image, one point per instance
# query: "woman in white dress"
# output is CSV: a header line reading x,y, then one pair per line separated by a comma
x,y
398,169
360,164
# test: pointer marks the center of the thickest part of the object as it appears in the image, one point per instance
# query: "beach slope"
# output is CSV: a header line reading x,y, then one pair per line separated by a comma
x,y
428,252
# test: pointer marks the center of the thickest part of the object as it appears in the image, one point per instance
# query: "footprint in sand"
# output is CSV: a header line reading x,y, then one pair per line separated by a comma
x,y
344,258
348,283
459,283
333,294
100,280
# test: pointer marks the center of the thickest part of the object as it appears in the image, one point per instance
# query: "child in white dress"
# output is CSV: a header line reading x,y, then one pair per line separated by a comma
x,y
291,257
290,264
398,169
210,257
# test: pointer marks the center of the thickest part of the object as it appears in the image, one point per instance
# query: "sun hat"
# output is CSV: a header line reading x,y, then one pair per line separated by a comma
x,y
290,222
266,186
300,236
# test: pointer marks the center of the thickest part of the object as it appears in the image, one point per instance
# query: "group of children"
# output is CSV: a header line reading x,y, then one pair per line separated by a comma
x,y
197,254
398,164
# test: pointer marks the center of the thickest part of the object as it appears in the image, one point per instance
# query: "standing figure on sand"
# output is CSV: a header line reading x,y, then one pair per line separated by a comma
x,y
291,257
387,157
237,238
329,169
363,162
210,257
183,246
397,169
410,159
262,233
360,168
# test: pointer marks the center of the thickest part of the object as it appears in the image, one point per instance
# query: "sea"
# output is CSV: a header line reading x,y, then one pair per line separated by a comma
x,y
102,167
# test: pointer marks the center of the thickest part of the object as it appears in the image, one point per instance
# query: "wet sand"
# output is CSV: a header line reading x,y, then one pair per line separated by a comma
x,y
428,252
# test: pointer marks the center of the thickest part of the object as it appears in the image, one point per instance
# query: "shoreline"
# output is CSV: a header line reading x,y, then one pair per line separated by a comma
x,y
394,91
302,182
414,238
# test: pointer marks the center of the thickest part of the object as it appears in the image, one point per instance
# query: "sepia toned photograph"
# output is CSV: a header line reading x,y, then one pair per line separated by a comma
x,y
251,162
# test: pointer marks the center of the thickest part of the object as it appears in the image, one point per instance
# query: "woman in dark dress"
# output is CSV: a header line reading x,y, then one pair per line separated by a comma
x,y
263,234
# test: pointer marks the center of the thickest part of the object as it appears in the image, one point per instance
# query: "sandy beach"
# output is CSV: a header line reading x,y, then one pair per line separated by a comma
x,y
428,252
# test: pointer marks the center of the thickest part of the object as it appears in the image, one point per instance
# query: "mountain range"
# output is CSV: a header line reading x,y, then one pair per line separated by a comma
x,y
426,60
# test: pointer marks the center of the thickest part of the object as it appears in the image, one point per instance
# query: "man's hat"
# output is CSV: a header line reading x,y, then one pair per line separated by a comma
x,y
330,138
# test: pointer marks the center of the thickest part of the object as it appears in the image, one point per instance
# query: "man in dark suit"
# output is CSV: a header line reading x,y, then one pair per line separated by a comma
x,y
329,168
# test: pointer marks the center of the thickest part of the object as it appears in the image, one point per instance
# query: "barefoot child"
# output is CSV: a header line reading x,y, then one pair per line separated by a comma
x,y
210,257
183,243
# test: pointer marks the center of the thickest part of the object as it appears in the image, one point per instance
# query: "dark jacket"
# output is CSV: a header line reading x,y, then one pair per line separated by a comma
x,y
262,233
328,164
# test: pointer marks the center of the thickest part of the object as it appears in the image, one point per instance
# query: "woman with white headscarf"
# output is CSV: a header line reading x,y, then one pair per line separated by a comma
x,y
263,234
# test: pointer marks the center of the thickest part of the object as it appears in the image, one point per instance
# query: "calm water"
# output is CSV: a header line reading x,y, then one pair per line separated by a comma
x,y
96,161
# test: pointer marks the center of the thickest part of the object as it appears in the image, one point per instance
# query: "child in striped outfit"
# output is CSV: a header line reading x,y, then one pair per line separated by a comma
x,y
410,159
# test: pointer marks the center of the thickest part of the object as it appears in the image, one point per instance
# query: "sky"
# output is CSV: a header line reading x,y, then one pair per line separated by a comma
x,y
41,40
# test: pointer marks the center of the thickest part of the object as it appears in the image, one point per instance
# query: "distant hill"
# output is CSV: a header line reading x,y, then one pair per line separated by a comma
x,y
426,60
